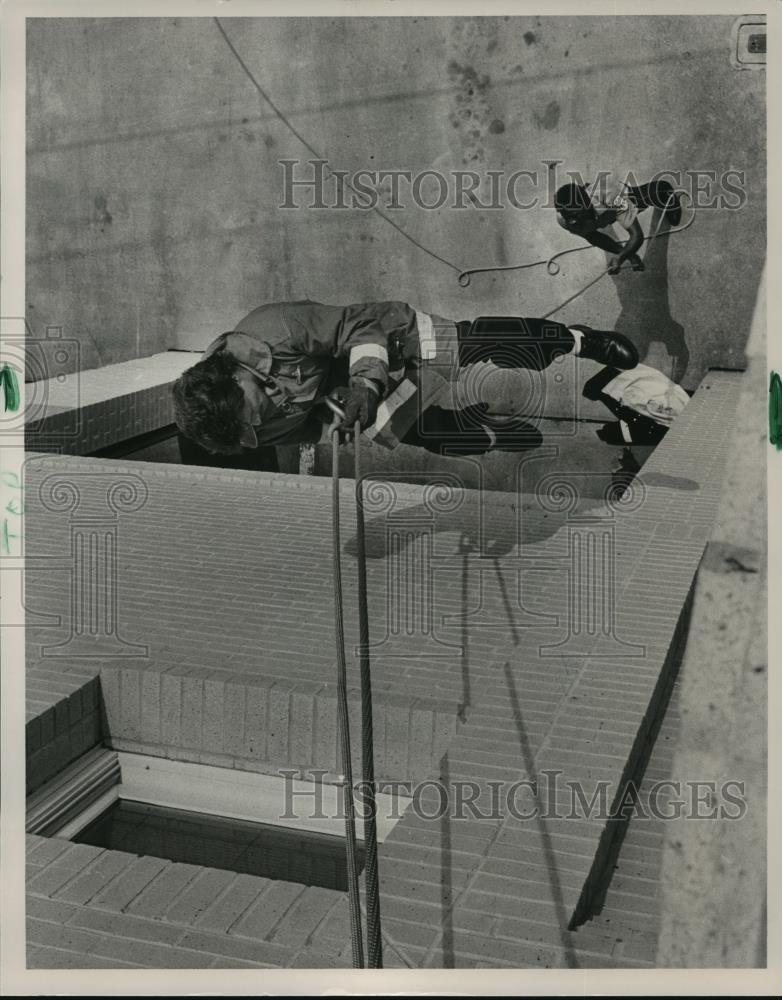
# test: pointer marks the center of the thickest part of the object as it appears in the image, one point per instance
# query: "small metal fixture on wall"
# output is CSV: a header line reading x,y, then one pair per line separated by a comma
x,y
748,42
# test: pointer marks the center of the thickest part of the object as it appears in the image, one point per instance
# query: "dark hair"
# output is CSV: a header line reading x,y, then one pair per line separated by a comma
x,y
208,403
572,198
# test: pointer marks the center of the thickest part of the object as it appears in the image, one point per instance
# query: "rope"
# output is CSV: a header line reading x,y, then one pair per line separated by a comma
x,y
602,274
581,291
371,913
318,156
463,275
551,262
354,900
374,943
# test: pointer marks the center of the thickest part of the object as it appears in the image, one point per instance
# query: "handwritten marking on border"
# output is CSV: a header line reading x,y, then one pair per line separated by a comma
x,y
775,410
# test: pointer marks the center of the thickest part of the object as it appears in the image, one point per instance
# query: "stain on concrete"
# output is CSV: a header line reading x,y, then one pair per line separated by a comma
x,y
550,117
530,37
470,79
497,127
724,557
269,141
101,215
472,112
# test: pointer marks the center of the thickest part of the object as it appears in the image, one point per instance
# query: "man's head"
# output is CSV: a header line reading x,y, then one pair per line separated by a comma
x,y
217,404
573,204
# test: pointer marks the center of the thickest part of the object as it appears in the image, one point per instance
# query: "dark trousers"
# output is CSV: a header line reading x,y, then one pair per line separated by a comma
x,y
655,194
643,430
513,341
508,342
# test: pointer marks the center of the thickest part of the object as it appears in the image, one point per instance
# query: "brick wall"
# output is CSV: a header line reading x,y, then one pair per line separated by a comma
x,y
226,577
63,721
265,724
100,407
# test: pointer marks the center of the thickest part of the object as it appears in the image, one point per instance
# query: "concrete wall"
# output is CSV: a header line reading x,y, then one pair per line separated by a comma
x,y
154,178
713,896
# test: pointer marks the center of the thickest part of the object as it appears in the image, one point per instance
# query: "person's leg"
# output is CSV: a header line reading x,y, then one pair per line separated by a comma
x,y
594,386
658,194
644,430
451,432
513,342
526,342
462,432
639,429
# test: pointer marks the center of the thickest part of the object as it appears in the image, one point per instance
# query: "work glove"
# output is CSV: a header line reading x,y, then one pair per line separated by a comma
x,y
361,400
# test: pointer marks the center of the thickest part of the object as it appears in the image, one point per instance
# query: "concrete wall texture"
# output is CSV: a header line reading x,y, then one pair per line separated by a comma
x,y
154,180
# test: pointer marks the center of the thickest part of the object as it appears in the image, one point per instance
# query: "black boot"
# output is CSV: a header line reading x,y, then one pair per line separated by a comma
x,y
611,349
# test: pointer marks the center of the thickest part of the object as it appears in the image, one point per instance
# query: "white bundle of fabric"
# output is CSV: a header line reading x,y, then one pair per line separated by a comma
x,y
649,392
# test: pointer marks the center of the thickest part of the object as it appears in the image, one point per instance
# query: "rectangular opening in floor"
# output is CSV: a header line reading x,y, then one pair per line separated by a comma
x,y
217,842
239,821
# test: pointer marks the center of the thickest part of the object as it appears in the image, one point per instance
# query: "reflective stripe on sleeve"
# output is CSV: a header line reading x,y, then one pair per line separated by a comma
x,y
361,351
426,336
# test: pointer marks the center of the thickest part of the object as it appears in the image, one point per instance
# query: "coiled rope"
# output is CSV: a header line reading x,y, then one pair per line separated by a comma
x,y
551,262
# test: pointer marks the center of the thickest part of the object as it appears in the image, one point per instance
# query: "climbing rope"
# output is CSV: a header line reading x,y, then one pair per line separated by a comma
x,y
374,934
341,179
374,943
346,778
551,262
602,274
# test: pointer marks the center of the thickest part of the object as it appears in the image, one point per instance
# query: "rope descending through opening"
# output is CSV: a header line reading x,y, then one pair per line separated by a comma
x,y
374,941
374,932
346,778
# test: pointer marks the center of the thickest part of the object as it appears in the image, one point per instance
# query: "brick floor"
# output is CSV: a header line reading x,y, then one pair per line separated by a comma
x,y
225,580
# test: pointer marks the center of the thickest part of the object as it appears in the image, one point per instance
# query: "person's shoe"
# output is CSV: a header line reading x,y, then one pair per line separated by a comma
x,y
611,349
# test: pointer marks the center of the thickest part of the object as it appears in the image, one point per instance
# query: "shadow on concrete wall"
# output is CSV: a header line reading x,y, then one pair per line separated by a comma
x,y
535,528
646,309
